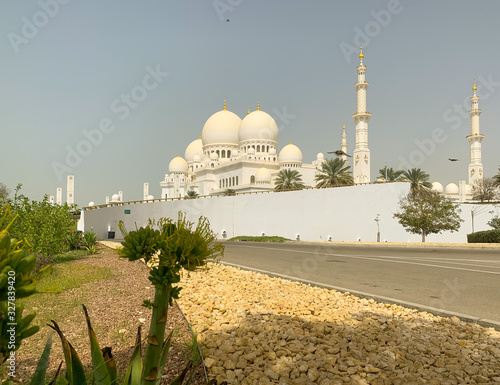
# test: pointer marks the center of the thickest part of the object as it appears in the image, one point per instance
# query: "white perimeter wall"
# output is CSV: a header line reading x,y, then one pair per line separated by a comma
x,y
344,213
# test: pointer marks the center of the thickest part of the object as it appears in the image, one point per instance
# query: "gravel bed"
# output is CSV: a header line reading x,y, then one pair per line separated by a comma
x,y
255,329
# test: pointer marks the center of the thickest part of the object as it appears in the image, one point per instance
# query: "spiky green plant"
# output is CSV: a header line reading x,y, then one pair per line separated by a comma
x,y
175,246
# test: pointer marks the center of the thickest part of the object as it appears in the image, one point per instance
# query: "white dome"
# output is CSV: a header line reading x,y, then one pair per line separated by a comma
x,y
436,186
320,156
258,125
214,156
196,158
451,188
263,175
150,197
91,204
290,153
272,151
251,151
178,164
194,148
221,128
115,198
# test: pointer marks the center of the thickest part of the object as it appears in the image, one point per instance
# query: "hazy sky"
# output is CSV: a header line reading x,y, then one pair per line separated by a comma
x,y
112,91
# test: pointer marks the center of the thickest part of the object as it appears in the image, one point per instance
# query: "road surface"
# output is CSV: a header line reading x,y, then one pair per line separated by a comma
x,y
460,281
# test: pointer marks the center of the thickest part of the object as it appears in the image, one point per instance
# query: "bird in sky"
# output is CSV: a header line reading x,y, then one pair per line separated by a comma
x,y
339,153
453,159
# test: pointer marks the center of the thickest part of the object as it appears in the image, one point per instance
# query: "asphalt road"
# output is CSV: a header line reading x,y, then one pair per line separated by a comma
x,y
460,281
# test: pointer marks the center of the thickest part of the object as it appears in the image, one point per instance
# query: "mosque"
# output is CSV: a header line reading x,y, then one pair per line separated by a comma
x,y
242,154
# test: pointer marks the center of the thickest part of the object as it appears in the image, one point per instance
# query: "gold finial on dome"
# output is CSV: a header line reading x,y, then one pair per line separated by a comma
x,y
258,105
474,88
225,105
248,110
290,141
200,136
361,56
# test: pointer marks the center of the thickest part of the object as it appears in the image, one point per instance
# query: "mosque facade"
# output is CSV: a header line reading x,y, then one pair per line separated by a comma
x,y
242,154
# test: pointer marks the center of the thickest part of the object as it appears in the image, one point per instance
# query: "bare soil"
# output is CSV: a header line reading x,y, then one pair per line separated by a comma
x,y
116,311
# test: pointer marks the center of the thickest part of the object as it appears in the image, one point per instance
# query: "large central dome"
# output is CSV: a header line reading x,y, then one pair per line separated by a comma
x,y
221,128
258,125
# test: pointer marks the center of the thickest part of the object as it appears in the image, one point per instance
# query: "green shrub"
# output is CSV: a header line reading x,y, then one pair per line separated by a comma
x,y
489,236
44,225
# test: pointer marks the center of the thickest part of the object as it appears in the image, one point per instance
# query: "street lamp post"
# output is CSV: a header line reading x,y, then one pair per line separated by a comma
x,y
377,219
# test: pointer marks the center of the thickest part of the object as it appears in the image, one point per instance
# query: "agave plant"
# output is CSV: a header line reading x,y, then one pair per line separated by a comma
x,y
176,246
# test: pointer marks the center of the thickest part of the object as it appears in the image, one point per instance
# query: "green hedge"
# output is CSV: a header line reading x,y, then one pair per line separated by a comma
x,y
489,236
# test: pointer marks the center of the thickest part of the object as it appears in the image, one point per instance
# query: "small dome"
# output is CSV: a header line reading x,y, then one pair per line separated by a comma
x,y
115,198
290,153
150,197
197,158
195,147
251,151
258,125
468,189
272,151
320,156
263,175
178,164
235,153
214,156
221,128
436,186
451,189
91,204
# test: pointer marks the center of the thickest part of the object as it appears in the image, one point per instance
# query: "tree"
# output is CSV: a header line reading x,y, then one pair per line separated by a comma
x,y
485,190
419,180
4,194
495,223
391,175
496,178
229,192
191,194
334,173
288,179
427,212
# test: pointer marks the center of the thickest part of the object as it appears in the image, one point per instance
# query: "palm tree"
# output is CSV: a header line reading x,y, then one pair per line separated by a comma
x,y
334,173
229,192
496,178
190,194
418,179
288,179
391,175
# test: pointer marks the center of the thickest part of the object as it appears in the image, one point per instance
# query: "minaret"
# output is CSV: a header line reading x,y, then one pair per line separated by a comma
x,y
361,165
475,138
343,144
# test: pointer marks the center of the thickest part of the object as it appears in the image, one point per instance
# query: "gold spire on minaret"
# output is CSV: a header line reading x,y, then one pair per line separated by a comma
x,y
343,127
361,56
248,110
474,88
258,105
225,105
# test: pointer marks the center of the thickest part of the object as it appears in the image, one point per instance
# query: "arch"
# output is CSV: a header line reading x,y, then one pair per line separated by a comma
x,y
258,148
218,153
228,153
233,180
236,180
223,154
267,149
252,179
220,183
212,165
